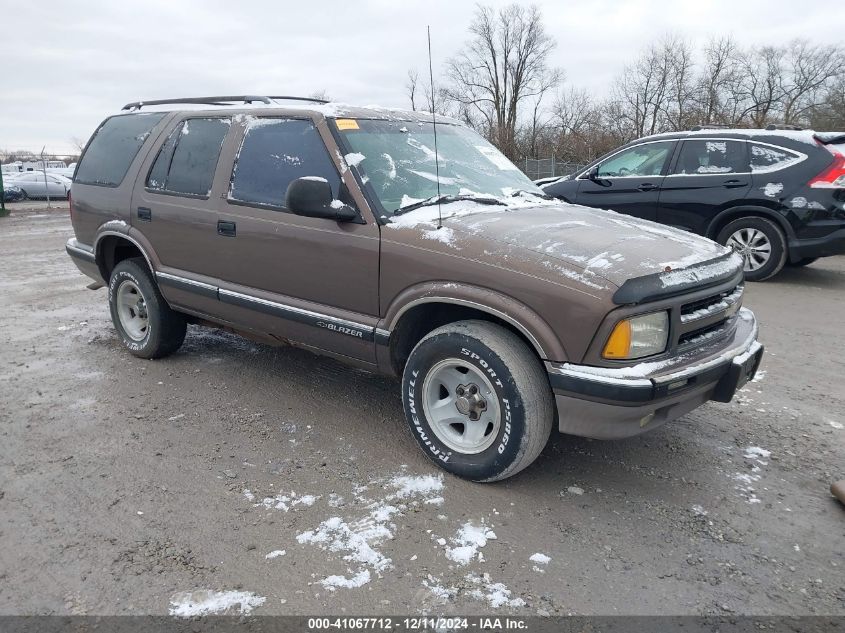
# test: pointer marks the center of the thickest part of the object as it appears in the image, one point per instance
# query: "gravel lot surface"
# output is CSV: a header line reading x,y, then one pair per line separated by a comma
x,y
238,474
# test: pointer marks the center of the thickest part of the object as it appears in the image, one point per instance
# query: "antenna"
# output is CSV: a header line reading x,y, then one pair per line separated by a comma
x,y
434,125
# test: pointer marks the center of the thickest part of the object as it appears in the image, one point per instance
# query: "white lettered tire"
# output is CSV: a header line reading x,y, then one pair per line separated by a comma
x,y
145,323
477,400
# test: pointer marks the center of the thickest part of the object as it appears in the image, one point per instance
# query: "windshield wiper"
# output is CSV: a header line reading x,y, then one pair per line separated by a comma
x,y
446,199
525,192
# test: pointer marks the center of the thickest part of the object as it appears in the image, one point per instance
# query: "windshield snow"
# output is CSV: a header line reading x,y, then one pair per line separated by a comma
x,y
396,161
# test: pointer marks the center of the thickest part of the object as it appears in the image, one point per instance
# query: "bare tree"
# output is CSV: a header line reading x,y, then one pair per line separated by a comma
x,y
808,70
759,91
502,67
411,87
78,143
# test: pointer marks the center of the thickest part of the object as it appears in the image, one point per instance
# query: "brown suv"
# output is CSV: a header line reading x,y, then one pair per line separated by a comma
x,y
359,233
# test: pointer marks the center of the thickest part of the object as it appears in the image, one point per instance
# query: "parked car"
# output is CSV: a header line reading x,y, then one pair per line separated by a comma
x,y
11,192
776,196
35,184
503,312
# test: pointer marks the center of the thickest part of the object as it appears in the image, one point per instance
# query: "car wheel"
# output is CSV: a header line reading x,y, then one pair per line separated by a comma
x,y
477,400
146,324
24,195
806,261
760,242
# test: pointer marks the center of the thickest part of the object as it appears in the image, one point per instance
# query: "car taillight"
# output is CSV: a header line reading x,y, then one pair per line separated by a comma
x,y
834,176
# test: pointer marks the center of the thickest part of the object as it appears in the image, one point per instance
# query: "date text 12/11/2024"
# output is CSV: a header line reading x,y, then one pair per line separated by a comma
x,y
416,623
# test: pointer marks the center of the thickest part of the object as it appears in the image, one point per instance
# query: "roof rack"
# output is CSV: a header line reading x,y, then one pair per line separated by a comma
x,y
218,101
709,126
779,126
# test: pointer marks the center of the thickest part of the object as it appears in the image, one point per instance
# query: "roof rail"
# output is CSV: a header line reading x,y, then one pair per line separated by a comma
x,y
780,126
709,126
217,101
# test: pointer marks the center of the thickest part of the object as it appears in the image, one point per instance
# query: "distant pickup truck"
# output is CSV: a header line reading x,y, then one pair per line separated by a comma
x,y
353,233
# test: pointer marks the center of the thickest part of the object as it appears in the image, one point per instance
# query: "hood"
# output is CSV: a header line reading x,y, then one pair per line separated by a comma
x,y
603,246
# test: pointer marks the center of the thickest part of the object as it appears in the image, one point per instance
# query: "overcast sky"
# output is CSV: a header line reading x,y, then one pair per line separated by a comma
x,y
66,65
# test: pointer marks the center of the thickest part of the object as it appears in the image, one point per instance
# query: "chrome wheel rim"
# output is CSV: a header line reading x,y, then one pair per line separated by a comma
x,y
754,247
132,311
461,406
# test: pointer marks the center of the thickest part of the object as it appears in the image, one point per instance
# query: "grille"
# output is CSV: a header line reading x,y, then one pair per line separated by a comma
x,y
701,335
710,306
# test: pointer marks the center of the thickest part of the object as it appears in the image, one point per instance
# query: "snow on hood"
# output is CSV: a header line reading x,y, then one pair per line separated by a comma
x,y
604,246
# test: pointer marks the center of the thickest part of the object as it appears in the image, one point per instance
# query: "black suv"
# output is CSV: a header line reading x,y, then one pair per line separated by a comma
x,y
777,196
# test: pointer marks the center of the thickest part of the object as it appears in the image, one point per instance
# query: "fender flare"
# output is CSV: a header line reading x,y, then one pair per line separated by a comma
x,y
115,231
539,333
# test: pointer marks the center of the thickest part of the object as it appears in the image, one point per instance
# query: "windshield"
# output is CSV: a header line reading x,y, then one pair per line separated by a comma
x,y
396,160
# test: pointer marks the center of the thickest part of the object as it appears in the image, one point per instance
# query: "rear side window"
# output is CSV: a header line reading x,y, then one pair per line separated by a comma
x,y
274,153
712,157
188,158
113,148
770,158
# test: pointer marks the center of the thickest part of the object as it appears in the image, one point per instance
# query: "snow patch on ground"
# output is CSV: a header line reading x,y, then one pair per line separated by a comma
x,y
357,540
275,554
187,604
835,425
285,502
746,480
358,580
540,559
466,543
496,594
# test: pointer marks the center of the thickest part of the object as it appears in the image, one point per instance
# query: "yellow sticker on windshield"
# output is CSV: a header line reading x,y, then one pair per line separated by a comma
x,y
347,124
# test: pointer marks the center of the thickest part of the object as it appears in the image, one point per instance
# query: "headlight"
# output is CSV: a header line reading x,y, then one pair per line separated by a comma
x,y
637,337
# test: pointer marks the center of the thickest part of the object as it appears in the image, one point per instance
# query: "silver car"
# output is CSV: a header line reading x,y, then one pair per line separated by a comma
x,y
35,184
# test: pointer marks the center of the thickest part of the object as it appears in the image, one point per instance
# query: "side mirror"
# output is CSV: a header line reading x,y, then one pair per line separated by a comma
x,y
311,196
593,174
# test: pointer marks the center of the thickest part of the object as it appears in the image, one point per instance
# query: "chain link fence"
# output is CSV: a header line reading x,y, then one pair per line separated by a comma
x,y
536,168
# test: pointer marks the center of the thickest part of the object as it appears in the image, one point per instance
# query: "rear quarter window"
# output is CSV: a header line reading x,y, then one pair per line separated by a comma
x,y
765,158
188,158
113,148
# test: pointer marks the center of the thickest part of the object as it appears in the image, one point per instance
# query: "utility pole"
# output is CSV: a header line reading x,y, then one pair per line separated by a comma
x,y
44,168
3,211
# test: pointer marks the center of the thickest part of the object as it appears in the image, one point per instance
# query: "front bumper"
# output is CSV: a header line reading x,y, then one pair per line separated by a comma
x,y
613,403
831,244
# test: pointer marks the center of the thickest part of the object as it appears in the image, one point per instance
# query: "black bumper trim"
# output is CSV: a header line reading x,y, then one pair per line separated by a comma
x,y
726,376
830,244
80,253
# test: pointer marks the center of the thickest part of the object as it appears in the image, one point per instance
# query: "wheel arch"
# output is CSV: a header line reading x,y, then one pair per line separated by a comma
x,y
729,215
112,247
418,311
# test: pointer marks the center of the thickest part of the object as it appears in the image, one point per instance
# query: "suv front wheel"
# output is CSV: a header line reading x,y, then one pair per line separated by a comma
x,y
760,242
477,400
146,324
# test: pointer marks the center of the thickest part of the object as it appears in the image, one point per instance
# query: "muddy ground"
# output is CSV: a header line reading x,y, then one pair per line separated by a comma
x,y
130,486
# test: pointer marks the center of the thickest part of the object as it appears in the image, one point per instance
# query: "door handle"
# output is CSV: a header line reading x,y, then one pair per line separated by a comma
x,y
647,186
731,184
226,228
145,214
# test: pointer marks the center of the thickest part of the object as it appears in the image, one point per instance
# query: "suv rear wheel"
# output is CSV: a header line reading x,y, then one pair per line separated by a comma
x,y
477,400
146,324
760,242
